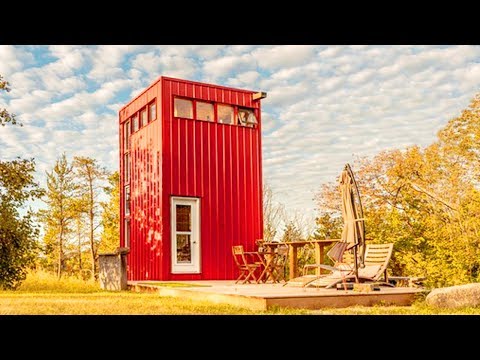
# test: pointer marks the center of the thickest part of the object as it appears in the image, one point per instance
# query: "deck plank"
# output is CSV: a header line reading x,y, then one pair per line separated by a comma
x,y
266,296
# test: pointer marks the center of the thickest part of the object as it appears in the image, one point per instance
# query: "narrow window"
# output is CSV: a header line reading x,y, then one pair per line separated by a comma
x,y
143,117
127,233
127,200
135,123
152,111
204,111
246,117
183,108
225,114
126,136
126,168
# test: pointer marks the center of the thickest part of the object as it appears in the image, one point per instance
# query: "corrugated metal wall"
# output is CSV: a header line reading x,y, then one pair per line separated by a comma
x,y
146,203
146,255
220,164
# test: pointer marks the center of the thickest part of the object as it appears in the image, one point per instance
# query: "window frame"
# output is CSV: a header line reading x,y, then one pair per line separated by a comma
x,y
234,114
149,106
186,99
251,110
127,125
216,118
134,117
141,122
205,102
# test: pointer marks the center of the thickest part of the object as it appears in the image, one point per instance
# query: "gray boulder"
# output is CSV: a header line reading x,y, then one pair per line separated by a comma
x,y
459,296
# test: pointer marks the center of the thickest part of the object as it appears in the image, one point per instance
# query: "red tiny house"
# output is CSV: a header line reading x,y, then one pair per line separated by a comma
x,y
195,181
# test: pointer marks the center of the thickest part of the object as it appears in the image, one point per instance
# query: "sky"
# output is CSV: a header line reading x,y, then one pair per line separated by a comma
x,y
326,105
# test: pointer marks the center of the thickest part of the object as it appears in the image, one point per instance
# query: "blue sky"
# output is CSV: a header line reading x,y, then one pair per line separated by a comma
x,y
326,105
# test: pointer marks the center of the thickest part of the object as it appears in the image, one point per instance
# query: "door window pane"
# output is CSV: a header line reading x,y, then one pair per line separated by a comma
x,y
183,108
184,252
204,111
183,218
225,114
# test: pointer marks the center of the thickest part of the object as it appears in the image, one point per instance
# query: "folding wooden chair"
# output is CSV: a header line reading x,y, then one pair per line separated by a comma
x,y
246,267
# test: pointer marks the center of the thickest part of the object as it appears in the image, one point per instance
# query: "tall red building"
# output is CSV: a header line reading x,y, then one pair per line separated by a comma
x,y
191,179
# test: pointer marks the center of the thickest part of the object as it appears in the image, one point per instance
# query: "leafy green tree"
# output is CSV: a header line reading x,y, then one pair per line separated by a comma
x,y
426,201
18,231
91,177
328,226
110,239
61,212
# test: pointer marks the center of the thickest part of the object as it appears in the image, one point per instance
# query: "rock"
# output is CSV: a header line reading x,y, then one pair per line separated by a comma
x,y
459,296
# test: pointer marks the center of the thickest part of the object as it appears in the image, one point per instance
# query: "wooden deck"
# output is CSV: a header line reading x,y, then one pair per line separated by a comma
x,y
265,296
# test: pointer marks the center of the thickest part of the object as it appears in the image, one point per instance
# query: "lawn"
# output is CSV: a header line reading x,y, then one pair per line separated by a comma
x,y
43,294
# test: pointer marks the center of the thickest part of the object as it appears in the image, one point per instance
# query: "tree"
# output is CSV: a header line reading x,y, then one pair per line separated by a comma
x,y
291,233
426,201
273,212
91,177
80,234
17,232
5,116
62,209
110,240
329,226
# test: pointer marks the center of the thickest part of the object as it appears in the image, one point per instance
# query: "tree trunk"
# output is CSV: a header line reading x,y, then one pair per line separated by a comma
x,y
80,251
60,253
92,243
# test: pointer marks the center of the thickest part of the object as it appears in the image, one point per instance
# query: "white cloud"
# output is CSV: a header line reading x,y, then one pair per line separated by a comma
x,y
283,55
325,104
12,59
172,65
107,60
221,66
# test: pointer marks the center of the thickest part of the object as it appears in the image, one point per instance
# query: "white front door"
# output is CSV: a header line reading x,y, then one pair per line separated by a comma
x,y
185,214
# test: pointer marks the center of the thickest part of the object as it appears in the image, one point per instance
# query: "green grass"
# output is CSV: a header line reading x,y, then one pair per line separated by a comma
x,y
42,293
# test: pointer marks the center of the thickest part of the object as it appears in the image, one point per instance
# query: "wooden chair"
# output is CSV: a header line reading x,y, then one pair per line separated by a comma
x,y
246,266
377,257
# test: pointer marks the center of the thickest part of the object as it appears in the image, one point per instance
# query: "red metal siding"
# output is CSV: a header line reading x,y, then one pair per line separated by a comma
x,y
221,165
218,163
146,245
145,191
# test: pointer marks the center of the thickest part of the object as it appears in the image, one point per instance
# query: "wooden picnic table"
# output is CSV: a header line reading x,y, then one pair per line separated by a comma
x,y
293,252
